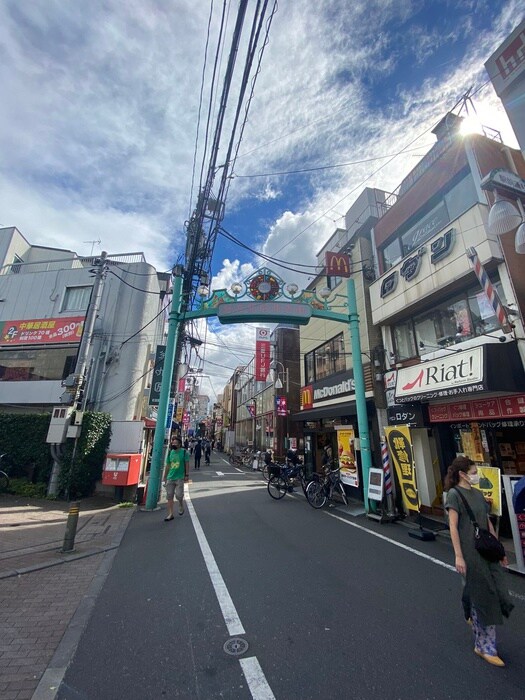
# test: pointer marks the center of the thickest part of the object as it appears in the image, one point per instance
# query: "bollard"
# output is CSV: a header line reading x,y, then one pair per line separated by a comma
x,y
71,527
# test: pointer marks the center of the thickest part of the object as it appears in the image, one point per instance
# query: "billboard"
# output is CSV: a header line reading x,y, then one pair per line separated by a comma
x,y
42,331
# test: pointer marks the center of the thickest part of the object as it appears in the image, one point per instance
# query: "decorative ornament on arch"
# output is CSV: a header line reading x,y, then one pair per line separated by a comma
x,y
264,285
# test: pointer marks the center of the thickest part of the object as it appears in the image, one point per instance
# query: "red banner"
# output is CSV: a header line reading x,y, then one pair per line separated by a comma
x,y
41,331
485,409
262,354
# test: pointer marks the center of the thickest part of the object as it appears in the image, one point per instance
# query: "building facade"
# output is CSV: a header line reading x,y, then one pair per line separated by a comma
x,y
45,294
458,380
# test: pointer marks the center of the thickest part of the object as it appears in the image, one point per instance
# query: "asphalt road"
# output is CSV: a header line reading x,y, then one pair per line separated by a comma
x,y
328,607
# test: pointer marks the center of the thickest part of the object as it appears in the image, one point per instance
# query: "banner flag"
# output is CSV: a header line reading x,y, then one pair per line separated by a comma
x,y
400,447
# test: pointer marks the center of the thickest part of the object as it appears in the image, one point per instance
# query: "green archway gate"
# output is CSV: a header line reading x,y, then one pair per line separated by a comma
x,y
267,301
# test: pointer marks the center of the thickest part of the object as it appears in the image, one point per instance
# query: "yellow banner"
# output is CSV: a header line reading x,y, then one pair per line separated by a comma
x,y
346,455
400,448
490,487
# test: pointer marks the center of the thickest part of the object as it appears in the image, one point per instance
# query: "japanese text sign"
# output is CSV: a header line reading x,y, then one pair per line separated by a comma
x,y
400,447
42,331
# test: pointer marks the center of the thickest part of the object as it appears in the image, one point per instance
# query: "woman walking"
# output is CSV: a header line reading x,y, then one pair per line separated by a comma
x,y
484,581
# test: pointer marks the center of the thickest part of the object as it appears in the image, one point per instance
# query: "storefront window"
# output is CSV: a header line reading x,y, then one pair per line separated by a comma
x,y
444,325
40,364
465,316
329,358
309,373
392,254
483,317
404,340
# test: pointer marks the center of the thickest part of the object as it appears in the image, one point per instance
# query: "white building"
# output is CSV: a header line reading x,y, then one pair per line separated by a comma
x,y
44,296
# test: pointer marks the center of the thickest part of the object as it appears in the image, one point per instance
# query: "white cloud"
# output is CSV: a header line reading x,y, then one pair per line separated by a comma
x,y
98,133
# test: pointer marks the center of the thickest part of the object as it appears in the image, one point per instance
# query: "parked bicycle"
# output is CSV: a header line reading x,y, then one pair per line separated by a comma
x,y
283,482
4,477
322,490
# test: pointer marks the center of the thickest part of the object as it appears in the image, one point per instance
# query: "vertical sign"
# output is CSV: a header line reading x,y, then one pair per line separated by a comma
x,y
262,354
280,404
346,454
158,367
400,446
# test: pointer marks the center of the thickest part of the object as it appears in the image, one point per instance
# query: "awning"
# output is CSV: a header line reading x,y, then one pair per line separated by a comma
x,y
340,409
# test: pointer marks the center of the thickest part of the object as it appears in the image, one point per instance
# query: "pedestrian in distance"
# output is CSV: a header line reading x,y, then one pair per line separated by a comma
x,y
175,471
485,589
207,453
327,457
186,444
197,453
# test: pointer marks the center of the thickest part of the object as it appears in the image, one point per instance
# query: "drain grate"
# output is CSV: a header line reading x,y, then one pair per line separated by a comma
x,y
235,646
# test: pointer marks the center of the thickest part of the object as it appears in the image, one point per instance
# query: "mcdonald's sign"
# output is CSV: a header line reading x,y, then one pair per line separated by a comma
x,y
338,264
307,397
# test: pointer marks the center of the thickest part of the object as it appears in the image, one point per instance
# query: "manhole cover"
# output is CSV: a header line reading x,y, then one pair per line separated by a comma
x,y
235,646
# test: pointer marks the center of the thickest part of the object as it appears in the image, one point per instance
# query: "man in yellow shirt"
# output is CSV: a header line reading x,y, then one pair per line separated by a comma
x,y
176,470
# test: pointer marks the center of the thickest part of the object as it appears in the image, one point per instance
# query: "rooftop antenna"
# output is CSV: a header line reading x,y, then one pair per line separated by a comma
x,y
93,244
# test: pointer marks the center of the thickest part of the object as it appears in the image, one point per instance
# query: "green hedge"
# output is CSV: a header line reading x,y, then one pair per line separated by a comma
x,y
78,475
23,439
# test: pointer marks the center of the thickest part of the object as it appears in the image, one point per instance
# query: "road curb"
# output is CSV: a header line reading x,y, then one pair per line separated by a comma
x,y
51,680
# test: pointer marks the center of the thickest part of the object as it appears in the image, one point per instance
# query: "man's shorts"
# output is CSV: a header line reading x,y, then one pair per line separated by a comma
x,y
175,488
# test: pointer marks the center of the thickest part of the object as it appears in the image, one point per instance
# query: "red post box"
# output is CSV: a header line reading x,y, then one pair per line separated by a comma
x,y
121,469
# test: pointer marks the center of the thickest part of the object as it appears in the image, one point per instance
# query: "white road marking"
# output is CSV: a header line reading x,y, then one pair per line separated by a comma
x,y
220,473
239,470
257,683
397,544
231,618
256,679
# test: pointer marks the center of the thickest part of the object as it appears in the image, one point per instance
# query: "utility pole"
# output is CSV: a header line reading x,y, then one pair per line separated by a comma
x,y
167,376
74,382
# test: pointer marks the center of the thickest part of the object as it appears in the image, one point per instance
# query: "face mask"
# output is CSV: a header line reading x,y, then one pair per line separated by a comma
x,y
474,479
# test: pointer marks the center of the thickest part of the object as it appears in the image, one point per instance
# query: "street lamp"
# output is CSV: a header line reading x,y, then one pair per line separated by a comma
x,y
273,377
503,215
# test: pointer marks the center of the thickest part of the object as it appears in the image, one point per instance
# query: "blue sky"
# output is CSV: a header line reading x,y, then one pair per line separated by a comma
x,y
99,111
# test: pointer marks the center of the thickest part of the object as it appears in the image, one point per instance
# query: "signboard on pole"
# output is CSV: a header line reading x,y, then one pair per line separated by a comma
x,y
346,454
400,446
262,354
158,368
375,484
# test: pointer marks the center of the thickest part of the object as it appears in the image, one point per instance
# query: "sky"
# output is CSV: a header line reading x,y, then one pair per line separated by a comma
x,y
100,128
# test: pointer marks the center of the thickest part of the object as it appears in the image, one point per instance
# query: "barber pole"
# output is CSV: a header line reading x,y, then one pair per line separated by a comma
x,y
489,289
386,468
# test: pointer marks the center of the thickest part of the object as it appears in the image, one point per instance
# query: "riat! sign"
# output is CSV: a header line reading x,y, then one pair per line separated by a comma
x,y
42,331
450,375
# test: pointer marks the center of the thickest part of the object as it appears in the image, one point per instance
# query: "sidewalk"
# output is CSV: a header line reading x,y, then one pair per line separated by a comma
x,y
41,588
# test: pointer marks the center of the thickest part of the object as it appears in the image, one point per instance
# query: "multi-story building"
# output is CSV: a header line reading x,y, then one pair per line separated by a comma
x,y
327,373
458,379
45,294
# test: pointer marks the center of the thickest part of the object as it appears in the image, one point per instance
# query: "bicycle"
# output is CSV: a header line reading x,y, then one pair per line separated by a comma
x,y
281,484
4,477
321,491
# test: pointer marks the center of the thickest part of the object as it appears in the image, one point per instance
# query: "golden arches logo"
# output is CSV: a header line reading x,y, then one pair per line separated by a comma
x,y
338,264
307,397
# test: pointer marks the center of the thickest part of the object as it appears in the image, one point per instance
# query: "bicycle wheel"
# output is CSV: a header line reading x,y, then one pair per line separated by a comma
x,y
265,472
315,494
277,487
4,481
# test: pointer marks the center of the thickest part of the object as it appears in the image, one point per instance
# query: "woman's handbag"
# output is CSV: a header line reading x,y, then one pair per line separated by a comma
x,y
488,546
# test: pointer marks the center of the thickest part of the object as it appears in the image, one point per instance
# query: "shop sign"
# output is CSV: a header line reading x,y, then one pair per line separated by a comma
x,y
410,268
338,264
262,354
156,382
491,424
390,387
485,409
280,405
490,487
400,448
451,375
327,389
406,414
42,331
307,397
375,484
346,454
